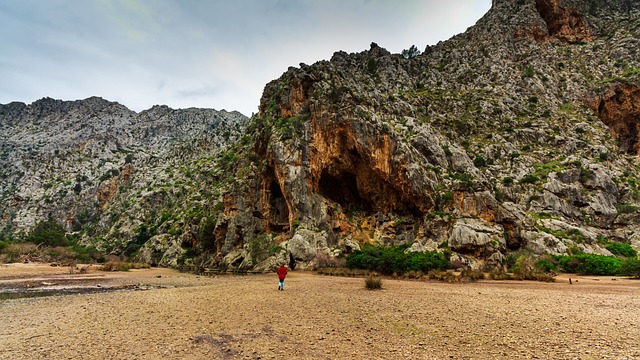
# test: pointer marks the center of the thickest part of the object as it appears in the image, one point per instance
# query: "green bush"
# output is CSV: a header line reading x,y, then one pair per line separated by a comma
x,y
545,265
393,259
49,233
529,179
589,264
626,208
410,53
479,161
528,72
631,267
621,249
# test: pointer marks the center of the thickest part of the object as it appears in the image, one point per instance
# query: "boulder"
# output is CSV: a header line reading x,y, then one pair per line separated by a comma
x,y
476,237
305,244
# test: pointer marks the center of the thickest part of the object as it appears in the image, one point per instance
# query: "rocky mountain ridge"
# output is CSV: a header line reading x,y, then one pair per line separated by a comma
x,y
78,161
518,135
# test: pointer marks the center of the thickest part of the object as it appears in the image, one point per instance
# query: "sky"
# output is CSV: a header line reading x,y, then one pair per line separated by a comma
x,y
199,53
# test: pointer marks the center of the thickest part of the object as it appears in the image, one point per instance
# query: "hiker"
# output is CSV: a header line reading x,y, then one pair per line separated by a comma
x,y
282,273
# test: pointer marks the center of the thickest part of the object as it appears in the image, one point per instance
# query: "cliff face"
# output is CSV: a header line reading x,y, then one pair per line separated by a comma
x,y
519,134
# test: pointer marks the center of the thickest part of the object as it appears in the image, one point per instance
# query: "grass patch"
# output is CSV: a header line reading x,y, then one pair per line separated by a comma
x,y
373,282
122,266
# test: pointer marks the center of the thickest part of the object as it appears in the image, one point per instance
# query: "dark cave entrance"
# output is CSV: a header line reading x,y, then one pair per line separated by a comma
x,y
352,182
278,211
342,188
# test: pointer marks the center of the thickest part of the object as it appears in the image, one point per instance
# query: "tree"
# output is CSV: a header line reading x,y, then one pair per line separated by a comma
x,y
411,52
48,233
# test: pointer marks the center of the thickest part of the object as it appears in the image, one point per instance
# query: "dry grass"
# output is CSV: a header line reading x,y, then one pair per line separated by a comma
x,y
122,266
373,283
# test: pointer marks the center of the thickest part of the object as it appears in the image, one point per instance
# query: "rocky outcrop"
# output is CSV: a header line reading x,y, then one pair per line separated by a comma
x,y
619,109
565,24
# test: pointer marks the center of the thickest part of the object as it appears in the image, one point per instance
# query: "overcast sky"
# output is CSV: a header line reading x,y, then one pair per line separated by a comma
x,y
201,53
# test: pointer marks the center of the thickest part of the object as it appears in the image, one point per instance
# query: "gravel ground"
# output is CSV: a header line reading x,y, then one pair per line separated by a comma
x,y
185,316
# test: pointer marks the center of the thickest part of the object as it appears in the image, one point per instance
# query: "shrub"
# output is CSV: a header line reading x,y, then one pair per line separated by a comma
x,y
49,233
410,53
626,208
116,266
16,252
261,248
479,161
472,275
545,265
372,66
373,282
444,276
529,179
122,266
589,264
621,249
497,274
393,259
325,260
524,268
529,71
631,267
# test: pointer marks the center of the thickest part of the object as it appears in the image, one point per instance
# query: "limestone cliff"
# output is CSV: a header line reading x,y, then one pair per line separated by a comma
x,y
518,134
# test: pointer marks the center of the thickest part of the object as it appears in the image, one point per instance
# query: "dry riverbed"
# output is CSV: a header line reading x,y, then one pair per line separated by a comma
x,y
163,314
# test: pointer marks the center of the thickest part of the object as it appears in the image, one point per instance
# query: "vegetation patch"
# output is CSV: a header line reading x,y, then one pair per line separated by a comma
x,y
589,264
122,266
373,282
622,249
393,259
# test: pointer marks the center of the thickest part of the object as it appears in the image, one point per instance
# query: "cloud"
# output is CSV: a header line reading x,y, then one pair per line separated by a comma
x,y
185,53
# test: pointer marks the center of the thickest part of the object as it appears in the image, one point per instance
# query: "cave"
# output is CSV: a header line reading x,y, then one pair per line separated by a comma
x,y
564,24
277,212
354,184
343,189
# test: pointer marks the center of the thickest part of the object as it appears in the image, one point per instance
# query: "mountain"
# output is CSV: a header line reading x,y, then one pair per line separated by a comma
x,y
520,134
100,168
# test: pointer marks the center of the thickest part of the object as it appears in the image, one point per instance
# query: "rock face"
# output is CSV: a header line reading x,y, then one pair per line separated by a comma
x,y
519,134
481,145
566,24
619,109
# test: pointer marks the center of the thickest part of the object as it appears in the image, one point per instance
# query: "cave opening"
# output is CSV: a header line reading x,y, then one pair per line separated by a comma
x,y
278,214
342,188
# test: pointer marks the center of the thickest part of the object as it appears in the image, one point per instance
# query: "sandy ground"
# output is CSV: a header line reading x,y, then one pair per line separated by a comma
x,y
185,316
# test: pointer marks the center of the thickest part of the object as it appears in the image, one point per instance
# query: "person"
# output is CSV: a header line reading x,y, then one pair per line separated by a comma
x,y
282,274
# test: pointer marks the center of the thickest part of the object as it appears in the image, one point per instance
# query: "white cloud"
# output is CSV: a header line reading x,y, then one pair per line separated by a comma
x,y
181,53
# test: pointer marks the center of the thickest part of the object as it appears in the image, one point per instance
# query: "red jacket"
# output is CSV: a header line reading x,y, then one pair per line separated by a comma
x,y
282,272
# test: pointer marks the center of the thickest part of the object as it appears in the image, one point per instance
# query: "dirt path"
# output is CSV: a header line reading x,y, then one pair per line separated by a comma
x,y
317,317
